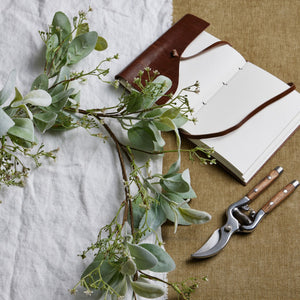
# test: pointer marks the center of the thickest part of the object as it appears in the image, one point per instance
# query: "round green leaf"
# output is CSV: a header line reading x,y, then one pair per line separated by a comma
x,y
101,44
40,83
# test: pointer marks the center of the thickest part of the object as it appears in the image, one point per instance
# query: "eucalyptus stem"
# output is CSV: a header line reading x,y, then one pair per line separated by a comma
x,y
128,204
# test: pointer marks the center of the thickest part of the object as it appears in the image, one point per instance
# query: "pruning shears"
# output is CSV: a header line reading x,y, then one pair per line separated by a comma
x,y
241,218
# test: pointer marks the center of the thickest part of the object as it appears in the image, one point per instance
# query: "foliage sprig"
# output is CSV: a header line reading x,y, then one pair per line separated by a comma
x,y
121,256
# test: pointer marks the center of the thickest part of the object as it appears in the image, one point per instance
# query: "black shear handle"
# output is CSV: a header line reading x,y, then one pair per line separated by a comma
x,y
263,184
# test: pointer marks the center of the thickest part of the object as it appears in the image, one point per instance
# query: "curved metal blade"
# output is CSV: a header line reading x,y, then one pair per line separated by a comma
x,y
216,242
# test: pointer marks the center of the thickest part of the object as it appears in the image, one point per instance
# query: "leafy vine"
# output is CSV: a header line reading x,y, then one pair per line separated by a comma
x,y
122,258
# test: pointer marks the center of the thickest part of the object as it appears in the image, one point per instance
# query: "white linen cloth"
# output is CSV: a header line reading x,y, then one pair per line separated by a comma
x,y
46,224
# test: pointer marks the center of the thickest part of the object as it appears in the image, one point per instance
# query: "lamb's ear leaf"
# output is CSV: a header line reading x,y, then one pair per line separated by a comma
x,y
147,290
8,87
142,257
165,261
194,216
5,122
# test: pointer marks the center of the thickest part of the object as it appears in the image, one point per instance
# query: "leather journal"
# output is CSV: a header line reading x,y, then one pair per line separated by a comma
x,y
243,112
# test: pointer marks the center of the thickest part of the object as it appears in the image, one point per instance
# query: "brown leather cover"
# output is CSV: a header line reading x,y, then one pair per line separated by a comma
x,y
164,54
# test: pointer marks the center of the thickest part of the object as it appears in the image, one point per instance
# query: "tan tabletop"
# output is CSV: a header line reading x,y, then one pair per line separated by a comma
x,y
266,263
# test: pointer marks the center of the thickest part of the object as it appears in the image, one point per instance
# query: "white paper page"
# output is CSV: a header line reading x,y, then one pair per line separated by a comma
x,y
272,147
244,146
249,88
211,68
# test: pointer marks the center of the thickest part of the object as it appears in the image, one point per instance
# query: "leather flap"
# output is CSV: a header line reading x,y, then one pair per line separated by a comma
x,y
164,54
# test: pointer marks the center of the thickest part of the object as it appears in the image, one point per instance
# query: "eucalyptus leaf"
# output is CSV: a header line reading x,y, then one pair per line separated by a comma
x,y
5,122
23,129
44,120
180,120
155,113
194,216
143,258
61,26
8,87
101,44
171,113
146,289
64,121
81,46
64,74
40,83
141,138
136,101
165,124
59,101
165,261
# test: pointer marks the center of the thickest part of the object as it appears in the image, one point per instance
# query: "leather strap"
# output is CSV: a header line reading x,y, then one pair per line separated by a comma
x,y
214,45
239,124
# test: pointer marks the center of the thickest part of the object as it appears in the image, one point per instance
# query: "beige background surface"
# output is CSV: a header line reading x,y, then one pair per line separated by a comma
x,y
266,263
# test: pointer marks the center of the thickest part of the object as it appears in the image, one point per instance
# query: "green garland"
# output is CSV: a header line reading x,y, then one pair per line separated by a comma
x,y
122,259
